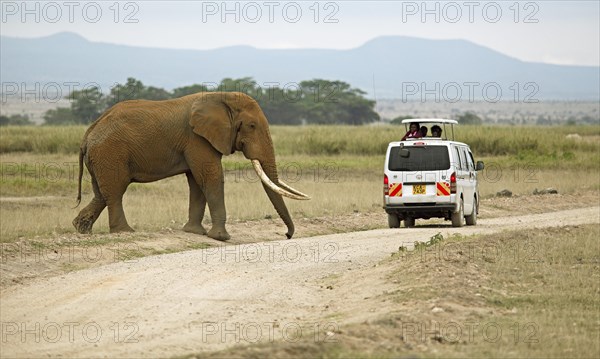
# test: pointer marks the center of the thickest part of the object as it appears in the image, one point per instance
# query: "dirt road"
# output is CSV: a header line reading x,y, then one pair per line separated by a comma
x,y
210,299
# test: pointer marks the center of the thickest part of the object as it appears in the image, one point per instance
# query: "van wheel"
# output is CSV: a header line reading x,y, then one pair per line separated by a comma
x,y
393,220
472,218
409,222
458,217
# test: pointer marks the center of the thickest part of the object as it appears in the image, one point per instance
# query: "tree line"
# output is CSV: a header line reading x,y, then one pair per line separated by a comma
x,y
315,101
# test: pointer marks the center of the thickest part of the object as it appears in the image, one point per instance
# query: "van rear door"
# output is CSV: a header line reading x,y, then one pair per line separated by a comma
x,y
419,172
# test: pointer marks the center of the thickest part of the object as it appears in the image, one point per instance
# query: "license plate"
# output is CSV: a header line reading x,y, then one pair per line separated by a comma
x,y
418,189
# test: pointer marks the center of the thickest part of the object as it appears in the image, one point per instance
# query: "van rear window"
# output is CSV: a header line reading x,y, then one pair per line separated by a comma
x,y
425,158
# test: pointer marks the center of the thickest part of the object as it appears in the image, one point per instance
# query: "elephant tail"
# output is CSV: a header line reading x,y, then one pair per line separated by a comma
x,y
81,154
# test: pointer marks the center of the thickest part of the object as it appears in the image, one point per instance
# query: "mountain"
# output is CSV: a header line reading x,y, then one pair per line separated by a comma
x,y
390,66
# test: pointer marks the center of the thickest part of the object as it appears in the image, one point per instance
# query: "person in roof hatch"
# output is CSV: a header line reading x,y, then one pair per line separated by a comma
x,y
423,131
413,132
436,131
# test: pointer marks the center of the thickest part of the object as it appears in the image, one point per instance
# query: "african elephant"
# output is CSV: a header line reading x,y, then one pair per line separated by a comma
x,y
145,141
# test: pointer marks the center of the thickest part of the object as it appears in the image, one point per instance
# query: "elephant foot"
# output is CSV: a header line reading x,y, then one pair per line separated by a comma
x,y
83,224
194,228
219,234
123,228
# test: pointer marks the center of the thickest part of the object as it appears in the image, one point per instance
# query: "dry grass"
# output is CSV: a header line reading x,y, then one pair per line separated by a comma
x,y
538,297
524,142
338,185
339,166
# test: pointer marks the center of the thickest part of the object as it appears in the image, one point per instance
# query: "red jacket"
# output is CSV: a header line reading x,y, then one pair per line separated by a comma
x,y
415,134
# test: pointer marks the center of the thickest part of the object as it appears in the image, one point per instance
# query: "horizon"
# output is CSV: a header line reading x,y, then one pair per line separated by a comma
x,y
556,32
70,33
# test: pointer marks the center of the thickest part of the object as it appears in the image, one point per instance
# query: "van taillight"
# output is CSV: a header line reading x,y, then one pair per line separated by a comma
x,y
386,187
453,182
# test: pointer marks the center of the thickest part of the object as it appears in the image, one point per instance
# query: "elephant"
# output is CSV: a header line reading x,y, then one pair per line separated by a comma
x,y
145,141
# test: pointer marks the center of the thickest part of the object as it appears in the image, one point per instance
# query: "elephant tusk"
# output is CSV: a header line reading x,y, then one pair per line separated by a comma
x,y
267,181
292,190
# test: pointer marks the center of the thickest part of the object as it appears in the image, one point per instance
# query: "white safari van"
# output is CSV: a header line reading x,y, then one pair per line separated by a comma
x,y
430,177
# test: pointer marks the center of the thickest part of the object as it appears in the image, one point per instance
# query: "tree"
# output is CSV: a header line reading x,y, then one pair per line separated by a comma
x,y
280,106
335,102
87,105
131,90
315,101
188,90
60,116
469,118
15,120
155,94
246,85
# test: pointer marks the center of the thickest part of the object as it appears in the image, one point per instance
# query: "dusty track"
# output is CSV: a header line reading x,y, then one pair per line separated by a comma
x,y
210,299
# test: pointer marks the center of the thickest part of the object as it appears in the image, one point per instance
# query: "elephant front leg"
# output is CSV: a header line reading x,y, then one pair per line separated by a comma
x,y
197,207
215,196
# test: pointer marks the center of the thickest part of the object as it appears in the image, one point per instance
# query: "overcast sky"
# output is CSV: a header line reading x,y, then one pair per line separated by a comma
x,y
559,32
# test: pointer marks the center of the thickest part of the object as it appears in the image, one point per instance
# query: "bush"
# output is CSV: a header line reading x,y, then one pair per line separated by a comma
x,y
469,118
15,120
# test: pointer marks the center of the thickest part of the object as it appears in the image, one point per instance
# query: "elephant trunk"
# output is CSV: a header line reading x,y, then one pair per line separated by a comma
x,y
276,198
266,169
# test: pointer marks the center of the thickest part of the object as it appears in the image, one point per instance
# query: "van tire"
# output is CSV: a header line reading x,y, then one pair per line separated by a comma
x,y
472,218
409,222
393,220
458,218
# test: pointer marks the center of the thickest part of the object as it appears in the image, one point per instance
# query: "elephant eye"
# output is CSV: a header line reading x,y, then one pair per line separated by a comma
x,y
252,125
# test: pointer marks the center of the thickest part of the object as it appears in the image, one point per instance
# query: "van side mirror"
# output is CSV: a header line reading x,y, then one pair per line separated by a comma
x,y
404,153
479,166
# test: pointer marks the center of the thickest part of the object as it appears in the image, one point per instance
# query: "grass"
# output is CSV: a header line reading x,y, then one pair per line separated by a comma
x,y
536,298
345,140
544,290
339,166
343,191
55,139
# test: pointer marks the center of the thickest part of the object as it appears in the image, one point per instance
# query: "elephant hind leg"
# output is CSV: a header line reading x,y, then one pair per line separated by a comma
x,y
197,207
116,216
112,186
87,216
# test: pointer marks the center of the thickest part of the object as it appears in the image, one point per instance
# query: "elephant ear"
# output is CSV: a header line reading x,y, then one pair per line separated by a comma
x,y
212,119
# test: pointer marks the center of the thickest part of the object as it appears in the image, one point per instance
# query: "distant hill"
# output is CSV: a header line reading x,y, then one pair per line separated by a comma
x,y
390,67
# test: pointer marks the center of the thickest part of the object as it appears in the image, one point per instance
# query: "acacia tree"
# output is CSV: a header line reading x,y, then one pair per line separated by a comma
x,y
188,90
336,102
135,90
87,104
315,101
469,118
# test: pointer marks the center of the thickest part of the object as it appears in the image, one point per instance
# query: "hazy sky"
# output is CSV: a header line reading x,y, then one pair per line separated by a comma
x,y
559,32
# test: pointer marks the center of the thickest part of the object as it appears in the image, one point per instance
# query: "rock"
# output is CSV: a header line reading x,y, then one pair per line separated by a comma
x,y
437,310
504,193
573,136
268,216
549,190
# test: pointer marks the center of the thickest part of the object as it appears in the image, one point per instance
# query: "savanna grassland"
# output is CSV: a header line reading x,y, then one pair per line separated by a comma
x,y
340,167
